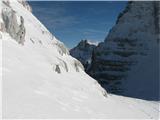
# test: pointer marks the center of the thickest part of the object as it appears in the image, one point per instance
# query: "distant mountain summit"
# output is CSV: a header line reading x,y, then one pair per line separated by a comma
x,y
83,52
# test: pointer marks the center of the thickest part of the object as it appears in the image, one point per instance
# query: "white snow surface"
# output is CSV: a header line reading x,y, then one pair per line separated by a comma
x,y
32,89
91,42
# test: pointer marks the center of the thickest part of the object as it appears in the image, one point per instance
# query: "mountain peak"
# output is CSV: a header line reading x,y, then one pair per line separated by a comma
x,y
89,42
83,52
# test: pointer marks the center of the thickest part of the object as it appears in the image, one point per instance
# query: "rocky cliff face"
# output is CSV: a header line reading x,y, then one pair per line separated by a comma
x,y
12,23
83,52
127,61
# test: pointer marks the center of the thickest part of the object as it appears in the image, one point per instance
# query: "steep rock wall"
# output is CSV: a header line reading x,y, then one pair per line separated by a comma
x,y
130,47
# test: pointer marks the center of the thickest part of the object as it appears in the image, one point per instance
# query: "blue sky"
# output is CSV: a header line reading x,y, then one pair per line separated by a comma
x,y
73,21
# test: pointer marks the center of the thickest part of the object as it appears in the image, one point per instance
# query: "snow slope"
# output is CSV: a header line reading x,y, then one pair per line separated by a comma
x,y
41,80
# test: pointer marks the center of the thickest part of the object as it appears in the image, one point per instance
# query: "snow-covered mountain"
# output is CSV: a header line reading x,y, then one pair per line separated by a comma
x,y
41,79
127,62
83,52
